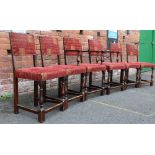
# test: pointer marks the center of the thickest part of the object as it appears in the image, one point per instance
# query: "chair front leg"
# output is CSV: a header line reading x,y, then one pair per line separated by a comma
x,y
41,111
16,95
35,93
122,77
152,76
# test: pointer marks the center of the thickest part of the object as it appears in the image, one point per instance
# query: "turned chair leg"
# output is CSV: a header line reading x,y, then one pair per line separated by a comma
x,y
59,87
111,76
35,93
108,82
103,83
41,111
152,76
64,93
16,100
44,91
82,87
85,86
126,81
122,80
90,78
137,78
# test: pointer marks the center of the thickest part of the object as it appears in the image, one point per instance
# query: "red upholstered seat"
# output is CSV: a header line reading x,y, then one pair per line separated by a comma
x,y
71,69
115,65
147,65
40,73
132,64
94,67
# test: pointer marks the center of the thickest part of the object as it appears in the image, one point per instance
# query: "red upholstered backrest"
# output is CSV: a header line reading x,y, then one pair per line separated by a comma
x,y
49,45
22,44
72,44
115,47
95,45
131,50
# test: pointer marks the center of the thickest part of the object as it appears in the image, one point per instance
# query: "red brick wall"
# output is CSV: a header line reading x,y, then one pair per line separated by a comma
x,y
5,58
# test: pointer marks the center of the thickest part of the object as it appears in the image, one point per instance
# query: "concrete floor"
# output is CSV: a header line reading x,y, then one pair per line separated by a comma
x,y
133,106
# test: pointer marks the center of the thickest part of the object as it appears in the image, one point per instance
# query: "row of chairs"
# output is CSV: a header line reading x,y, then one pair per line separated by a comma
x,y
24,44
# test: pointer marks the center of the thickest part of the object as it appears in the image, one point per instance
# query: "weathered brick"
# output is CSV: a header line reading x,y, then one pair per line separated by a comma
x,y
4,46
4,35
3,53
4,41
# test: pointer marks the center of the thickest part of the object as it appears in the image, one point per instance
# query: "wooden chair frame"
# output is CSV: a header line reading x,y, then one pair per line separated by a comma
x,y
110,83
128,81
39,93
76,95
83,84
91,89
139,80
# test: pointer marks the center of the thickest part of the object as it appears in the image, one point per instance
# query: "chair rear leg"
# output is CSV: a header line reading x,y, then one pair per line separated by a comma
x,y
82,87
126,78
108,82
64,94
111,76
140,77
152,76
103,83
44,91
16,100
35,93
90,78
41,111
59,87
137,78
85,86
